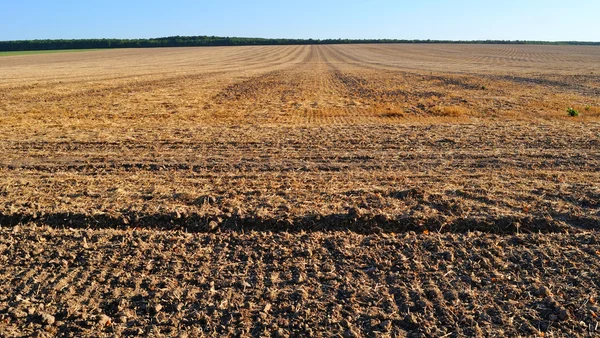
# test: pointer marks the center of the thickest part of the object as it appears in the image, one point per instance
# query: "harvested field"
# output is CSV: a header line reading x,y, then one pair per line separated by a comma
x,y
354,190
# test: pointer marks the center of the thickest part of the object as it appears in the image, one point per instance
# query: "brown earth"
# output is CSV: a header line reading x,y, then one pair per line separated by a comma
x,y
114,282
372,190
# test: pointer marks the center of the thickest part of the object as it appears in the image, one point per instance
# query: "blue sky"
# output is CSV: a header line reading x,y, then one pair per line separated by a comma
x,y
426,19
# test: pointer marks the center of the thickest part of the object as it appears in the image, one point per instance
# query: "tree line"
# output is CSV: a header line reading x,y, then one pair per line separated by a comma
x,y
194,41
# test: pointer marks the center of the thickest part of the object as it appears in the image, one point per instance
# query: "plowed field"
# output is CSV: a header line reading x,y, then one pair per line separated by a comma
x,y
352,190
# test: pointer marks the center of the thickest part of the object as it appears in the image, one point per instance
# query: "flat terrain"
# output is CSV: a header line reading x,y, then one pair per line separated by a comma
x,y
353,190
52,51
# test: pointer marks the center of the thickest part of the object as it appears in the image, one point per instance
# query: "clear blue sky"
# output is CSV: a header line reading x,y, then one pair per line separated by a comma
x,y
426,19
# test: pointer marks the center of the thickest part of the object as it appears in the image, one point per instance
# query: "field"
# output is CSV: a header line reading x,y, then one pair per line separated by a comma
x,y
348,190
31,52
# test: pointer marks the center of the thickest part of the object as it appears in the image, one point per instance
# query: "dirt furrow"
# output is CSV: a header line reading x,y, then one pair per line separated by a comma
x,y
335,283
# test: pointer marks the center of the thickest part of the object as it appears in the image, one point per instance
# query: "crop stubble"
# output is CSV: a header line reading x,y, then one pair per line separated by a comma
x,y
313,145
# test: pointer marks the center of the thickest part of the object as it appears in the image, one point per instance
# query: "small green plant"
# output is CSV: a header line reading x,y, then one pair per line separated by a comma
x,y
587,107
572,111
483,87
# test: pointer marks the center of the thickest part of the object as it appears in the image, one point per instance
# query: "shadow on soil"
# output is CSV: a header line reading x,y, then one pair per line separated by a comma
x,y
335,222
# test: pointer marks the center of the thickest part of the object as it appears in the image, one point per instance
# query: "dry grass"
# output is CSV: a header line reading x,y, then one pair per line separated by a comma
x,y
282,133
133,89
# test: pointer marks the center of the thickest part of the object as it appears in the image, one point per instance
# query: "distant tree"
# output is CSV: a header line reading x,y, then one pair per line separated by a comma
x,y
180,41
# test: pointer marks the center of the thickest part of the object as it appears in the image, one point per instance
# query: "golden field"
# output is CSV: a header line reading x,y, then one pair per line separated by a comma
x,y
355,190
